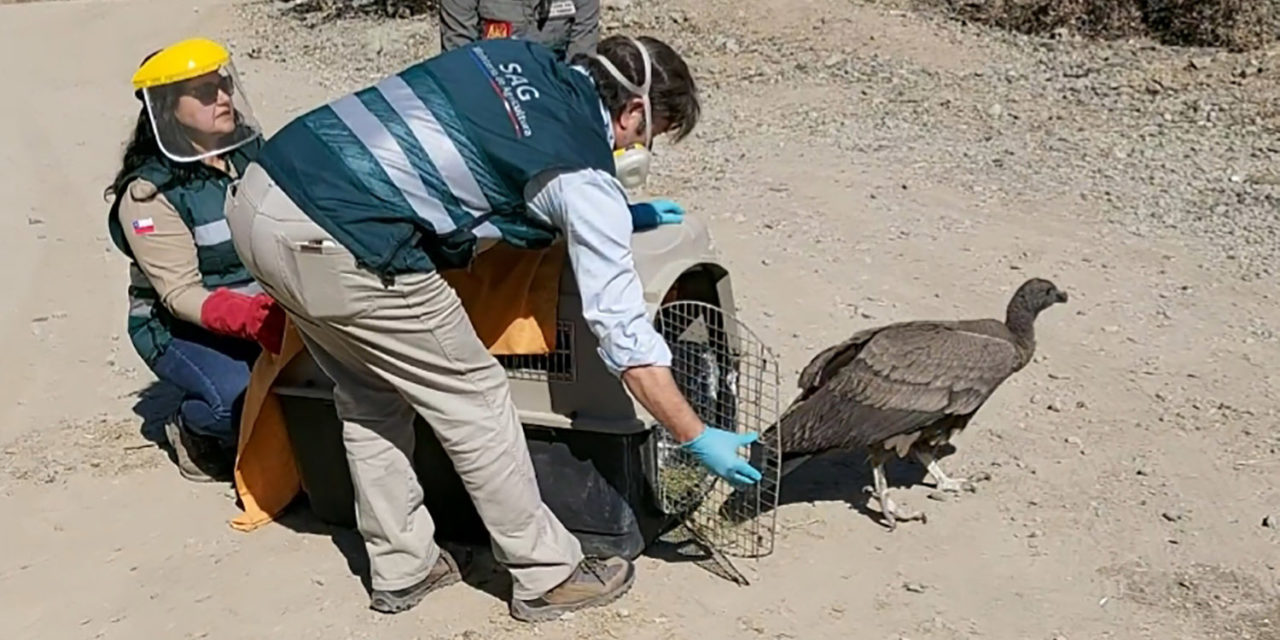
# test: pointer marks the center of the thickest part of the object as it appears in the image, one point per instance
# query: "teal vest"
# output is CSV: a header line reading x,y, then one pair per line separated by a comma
x,y
410,173
199,204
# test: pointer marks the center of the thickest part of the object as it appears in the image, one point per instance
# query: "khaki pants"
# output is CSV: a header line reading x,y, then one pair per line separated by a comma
x,y
394,350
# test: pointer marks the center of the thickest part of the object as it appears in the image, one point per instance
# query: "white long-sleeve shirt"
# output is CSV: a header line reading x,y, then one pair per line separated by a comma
x,y
590,208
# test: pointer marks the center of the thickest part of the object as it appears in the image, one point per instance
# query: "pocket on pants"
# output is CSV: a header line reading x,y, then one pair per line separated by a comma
x,y
322,275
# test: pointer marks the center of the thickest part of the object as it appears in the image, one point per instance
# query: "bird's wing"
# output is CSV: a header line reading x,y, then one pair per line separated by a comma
x,y
927,367
830,360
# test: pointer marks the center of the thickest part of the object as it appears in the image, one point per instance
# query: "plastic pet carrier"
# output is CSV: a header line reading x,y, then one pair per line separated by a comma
x,y
607,470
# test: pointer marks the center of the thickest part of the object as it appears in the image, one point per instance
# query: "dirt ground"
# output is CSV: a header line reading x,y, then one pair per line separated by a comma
x,y
859,164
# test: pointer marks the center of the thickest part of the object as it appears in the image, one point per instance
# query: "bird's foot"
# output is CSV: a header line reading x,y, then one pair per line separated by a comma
x,y
953,485
892,512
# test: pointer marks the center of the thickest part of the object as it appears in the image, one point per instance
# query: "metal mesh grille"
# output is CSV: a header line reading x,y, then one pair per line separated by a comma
x,y
731,380
557,365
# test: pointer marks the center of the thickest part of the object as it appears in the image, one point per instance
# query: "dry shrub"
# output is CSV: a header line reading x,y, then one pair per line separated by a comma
x,y
1233,24
333,9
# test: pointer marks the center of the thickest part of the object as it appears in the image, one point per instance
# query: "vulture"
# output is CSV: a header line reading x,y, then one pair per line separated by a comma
x,y
907,388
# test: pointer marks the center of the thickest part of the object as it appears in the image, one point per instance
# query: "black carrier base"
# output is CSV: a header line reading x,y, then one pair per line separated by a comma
x,y
595,483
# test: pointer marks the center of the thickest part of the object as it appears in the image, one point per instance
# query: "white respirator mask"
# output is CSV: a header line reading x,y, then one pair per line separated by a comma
x,y
632,162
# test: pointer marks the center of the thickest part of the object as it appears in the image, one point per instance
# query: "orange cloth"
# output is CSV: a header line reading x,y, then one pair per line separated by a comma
x,y
510,295
266,476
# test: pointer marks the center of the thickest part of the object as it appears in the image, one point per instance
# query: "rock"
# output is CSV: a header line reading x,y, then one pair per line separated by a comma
x,y
1271,522
940,496
914,587
1073,440
995,111
1172,516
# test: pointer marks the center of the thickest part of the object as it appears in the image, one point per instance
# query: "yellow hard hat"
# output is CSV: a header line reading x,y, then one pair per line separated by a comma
x,y
181,61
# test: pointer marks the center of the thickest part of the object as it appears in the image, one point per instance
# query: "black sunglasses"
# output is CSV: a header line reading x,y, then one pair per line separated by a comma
x,y
207,92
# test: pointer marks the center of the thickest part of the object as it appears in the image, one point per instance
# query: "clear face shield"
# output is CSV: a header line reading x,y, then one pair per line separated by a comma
x,y
203,116
632,162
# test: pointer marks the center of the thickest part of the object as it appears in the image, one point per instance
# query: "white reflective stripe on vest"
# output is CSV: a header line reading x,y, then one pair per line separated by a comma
x,y
250,288
139,308
386,151
427,130
440,148
211,233
486,230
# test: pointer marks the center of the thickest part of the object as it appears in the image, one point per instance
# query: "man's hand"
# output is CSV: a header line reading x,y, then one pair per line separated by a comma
x,y
716,449
647,215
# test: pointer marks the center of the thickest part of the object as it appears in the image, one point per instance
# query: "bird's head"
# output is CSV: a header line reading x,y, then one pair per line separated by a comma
x,y
1036,295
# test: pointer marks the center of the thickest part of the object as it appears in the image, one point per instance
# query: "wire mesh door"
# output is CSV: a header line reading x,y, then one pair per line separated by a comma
x,y
731,380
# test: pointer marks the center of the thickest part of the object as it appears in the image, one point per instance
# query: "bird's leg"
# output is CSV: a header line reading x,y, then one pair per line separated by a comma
x,y
889,510
945,483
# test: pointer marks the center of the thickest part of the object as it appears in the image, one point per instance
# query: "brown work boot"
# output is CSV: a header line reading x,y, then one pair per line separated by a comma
x,y
596,582
200,458
443,574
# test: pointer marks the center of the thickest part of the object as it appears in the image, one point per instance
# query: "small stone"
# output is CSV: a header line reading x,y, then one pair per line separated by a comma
x,y
995,111
1271,522
1172,516
1073,440
914,587
1035,534
940,496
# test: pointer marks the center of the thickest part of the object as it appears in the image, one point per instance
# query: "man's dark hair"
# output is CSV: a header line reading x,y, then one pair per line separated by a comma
x,y
672,92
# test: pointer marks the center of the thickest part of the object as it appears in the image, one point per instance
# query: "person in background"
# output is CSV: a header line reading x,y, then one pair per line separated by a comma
x,y
567,27
353,208
196,316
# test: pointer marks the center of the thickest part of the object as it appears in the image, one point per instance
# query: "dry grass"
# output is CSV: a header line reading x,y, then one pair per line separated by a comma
x,y
1232,24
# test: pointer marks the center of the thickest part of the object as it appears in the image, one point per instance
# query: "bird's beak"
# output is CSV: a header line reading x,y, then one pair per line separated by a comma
x,y
1060,295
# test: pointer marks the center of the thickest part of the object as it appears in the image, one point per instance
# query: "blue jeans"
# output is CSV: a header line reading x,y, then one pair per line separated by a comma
x,y
212,371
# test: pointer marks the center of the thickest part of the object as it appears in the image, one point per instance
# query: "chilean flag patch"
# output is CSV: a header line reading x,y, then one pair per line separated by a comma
x,y
143,227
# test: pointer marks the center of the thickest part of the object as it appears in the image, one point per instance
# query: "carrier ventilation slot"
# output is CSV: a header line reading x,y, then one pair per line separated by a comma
x,y
555,366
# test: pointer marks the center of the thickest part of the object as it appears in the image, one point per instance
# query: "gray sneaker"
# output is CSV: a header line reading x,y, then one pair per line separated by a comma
x,y
200,458
443,574
596,582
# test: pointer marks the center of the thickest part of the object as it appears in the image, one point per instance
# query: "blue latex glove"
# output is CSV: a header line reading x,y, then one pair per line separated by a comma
x,y
647,215
717,450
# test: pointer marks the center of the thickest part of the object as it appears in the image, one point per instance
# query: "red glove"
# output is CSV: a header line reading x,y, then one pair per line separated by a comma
x,y
256,318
